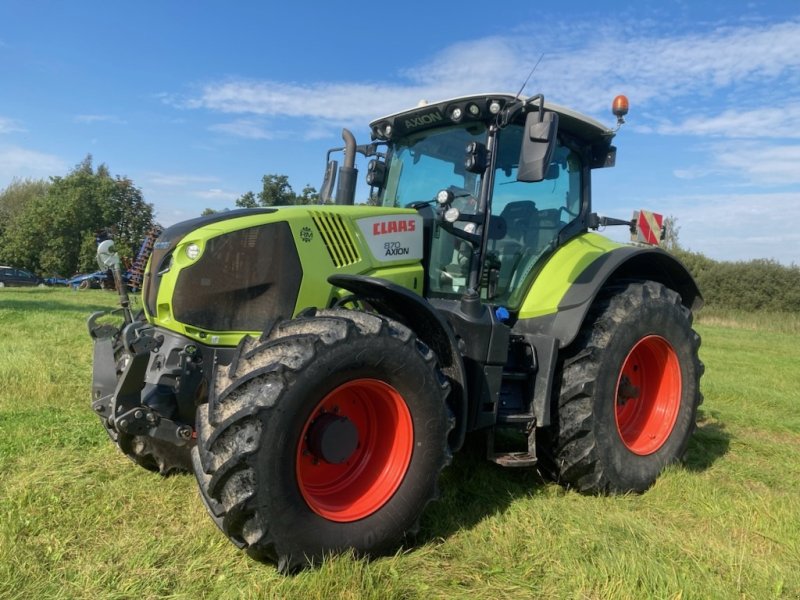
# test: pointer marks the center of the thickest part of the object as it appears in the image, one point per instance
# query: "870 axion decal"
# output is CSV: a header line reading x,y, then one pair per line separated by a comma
x,y
395,237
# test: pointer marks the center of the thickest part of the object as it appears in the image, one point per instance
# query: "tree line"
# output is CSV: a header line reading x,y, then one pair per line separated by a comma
x,y
756,285
51,227
275,191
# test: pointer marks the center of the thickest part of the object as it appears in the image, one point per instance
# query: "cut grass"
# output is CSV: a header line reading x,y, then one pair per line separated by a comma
x,y
79,520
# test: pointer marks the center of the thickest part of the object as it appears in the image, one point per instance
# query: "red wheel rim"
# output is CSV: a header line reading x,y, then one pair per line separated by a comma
x,y
648,395
364,476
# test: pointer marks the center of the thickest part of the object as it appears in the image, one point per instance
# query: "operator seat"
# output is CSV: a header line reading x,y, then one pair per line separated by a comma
x,y
522,224
520,218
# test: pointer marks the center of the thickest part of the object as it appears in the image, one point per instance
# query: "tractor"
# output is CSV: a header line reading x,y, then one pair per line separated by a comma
x,y
317,366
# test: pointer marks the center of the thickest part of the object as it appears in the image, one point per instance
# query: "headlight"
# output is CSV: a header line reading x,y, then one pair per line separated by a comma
x,y
192,251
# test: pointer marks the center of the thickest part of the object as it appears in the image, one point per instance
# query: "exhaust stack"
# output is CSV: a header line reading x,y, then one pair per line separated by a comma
x,y
348,174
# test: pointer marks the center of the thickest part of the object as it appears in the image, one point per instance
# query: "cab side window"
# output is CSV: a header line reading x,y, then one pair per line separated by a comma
x,y
529,216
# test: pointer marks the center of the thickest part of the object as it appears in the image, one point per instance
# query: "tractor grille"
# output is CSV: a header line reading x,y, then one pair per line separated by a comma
x,y
242,281
337,238
161,258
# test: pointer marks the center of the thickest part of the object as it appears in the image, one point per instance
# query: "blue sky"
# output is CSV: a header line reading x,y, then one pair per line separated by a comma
x,y
195,101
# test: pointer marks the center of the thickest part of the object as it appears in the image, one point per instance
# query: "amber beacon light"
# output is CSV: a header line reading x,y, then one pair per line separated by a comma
x,y
620,108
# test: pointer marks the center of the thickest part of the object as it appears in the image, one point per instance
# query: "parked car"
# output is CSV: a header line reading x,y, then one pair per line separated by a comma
x,y
96,280
55,280
11,276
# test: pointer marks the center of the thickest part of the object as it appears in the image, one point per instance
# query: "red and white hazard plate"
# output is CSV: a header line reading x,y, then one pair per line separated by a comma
x,y
648,227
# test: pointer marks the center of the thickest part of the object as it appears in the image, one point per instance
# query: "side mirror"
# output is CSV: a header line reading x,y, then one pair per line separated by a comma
x,y
107,257
538,143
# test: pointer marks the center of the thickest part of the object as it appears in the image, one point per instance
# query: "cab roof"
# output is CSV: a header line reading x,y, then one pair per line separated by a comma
x,y
427,115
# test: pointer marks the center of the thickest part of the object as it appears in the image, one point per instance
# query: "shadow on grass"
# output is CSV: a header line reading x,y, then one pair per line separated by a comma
x,y
50,306
473,488
709,442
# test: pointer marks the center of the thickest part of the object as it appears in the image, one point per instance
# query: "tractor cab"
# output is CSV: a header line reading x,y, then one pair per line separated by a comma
x,y
501,182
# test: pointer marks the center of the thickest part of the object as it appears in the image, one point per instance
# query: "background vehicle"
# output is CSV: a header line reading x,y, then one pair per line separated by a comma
x,y
317,366
10,276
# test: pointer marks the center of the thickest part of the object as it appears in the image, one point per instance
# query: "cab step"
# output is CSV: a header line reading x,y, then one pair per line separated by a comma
x,y
514,459
504,458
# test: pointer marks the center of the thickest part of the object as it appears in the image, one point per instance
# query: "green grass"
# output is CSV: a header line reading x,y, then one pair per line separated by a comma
x,y
79,520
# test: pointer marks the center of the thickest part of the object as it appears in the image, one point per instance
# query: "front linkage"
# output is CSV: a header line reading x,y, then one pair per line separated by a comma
x,y
146,384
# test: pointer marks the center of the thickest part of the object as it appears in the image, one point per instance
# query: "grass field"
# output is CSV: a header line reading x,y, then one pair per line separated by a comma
x,y
79,520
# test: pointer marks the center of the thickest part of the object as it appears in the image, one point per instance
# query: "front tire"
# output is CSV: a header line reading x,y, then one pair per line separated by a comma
x,y
629,392
328,435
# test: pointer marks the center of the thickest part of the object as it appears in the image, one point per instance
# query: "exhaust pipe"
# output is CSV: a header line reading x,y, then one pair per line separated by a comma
x,y
348,174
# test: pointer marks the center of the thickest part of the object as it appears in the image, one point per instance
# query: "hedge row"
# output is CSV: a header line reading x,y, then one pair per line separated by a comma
x,y
756,285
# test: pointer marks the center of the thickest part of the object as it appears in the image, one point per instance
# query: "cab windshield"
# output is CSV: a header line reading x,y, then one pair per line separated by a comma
x,y
525,220
427,162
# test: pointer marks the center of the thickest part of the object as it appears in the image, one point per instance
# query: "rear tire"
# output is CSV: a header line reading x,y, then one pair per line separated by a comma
x,y
629,392
328,435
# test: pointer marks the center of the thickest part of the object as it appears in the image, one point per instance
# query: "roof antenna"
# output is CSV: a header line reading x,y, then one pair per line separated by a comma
x,y
528,78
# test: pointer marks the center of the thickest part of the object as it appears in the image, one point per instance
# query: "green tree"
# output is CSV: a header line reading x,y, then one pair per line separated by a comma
x,y
56,232
672,229
208,211
247,200
13,201
309,195
276,191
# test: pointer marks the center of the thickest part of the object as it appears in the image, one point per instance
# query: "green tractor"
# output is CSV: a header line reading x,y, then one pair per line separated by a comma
x,y
317,366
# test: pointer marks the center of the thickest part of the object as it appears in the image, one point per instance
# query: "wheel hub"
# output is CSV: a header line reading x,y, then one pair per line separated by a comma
x,y
354,450
332,438
648,395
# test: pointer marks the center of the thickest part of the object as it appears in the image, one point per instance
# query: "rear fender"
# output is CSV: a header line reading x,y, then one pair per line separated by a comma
x,y
624,262
551,332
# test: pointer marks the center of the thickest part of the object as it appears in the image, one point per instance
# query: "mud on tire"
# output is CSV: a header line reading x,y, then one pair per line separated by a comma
x,y
629,392
327,434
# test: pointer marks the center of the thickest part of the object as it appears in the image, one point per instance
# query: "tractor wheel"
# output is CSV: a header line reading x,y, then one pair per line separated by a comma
x,y
326,435
629,392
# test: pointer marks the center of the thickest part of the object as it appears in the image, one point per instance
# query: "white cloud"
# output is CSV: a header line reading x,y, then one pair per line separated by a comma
x,y
765,122
244,128
584,68
21,162
733,226
762,163
10,126
217,195
341,102
90,119
176,180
